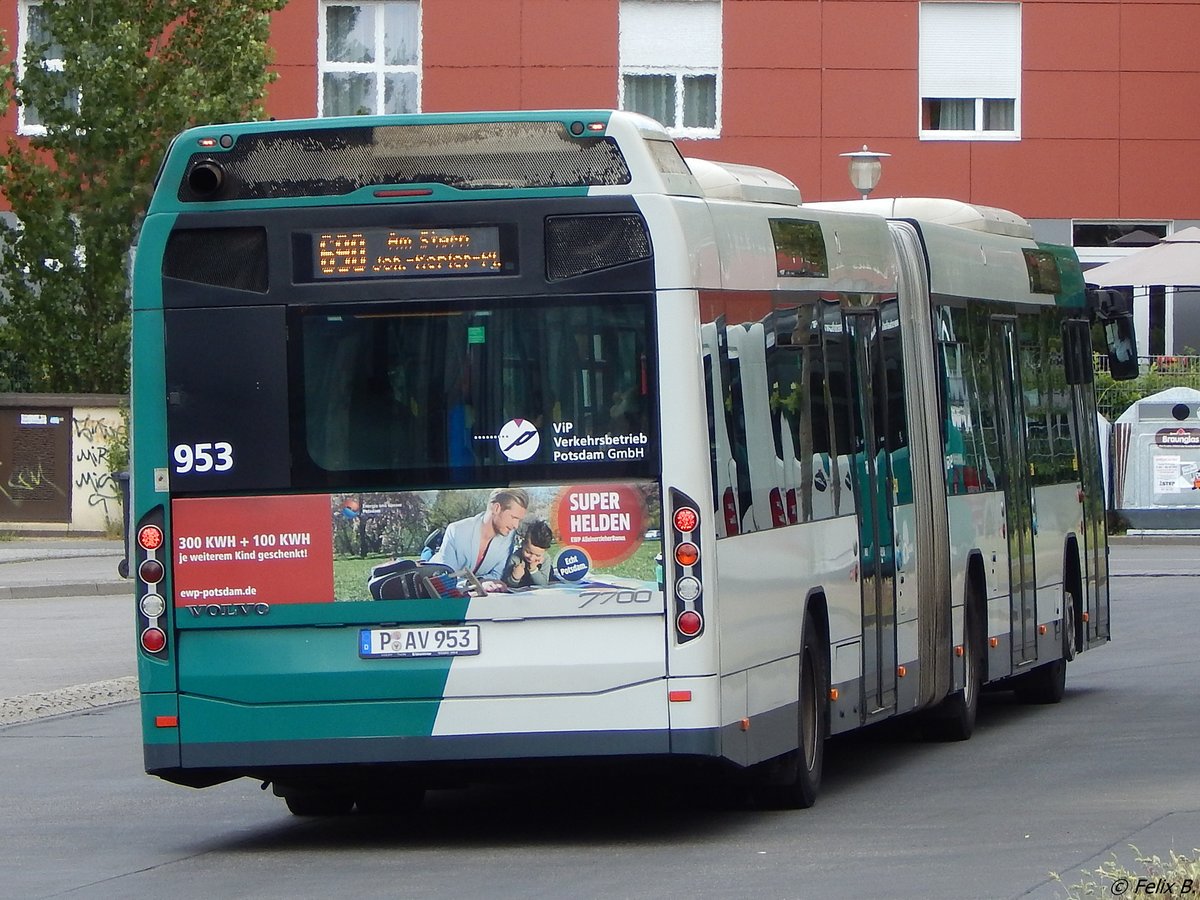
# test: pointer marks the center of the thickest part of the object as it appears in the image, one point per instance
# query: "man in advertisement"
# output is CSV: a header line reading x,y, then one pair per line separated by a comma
x,y
484,543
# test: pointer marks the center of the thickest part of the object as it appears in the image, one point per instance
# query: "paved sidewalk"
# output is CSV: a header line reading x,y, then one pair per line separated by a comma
x,y
67,587
61,567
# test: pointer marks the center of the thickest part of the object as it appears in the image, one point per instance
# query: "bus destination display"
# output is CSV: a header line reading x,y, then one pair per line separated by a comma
x,y
406,252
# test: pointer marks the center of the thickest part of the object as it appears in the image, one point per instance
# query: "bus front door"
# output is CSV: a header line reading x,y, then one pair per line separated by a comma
x,y
1019,519
873,489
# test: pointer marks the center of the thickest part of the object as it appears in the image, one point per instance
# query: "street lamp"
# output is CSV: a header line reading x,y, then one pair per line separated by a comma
x,y
865,169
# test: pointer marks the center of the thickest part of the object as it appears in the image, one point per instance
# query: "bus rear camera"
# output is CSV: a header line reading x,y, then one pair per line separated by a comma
x,y
206,178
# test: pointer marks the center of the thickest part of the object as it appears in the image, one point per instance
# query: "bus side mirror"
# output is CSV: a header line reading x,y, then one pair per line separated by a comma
x,y
1109,304
1122,348
1115,311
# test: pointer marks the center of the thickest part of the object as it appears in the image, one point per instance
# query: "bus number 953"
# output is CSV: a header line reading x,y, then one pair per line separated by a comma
x,y
205,457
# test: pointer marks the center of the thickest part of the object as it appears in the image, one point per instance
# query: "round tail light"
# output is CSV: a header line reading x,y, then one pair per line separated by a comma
x,y
153,640
150,537
689,623
687,553
686,519
151,571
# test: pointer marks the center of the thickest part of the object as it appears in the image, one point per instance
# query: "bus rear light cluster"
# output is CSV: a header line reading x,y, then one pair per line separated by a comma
x,y
685,567
151,569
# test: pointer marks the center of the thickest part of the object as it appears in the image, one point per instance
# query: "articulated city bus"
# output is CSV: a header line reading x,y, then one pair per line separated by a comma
x,y
467,442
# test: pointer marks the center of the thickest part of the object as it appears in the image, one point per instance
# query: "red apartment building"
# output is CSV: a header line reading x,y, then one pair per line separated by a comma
x,y
1082,116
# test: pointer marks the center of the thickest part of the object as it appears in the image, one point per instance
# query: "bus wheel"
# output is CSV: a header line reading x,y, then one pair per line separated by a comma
x,y
1070,637
793,780
317,802
1048,682
954,718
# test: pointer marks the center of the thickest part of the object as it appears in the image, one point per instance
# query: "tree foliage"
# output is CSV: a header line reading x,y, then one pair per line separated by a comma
x,y
134,73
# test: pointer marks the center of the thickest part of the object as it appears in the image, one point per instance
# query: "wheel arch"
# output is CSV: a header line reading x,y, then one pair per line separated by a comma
x,y
817,606
975,594
1072,580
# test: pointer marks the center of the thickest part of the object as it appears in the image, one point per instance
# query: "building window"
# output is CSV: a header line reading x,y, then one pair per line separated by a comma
x,y
370,58
1123,235
970,71
33,34
671,64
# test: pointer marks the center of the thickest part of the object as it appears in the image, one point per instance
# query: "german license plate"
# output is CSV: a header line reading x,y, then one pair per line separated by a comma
x,y
424,640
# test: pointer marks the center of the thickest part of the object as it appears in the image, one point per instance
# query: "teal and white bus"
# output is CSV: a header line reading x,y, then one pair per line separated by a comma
x,y
471,441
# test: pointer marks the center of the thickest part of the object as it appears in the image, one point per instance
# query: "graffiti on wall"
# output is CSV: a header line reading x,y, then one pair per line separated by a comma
x,y
92,441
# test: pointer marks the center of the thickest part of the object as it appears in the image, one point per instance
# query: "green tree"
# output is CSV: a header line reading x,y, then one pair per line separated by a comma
x,y
133,74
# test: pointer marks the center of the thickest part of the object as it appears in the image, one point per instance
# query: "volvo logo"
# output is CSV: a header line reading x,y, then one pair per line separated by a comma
x,y
229,609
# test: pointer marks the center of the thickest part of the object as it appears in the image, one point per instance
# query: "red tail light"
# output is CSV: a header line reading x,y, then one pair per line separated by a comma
x,y
150,537
151,571
154,640
686,519
689,623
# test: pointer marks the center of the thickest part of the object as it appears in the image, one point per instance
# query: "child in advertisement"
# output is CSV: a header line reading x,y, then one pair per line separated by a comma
x,y
529,566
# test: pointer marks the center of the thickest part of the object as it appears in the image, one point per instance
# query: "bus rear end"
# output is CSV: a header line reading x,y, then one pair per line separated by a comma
x,y
397,482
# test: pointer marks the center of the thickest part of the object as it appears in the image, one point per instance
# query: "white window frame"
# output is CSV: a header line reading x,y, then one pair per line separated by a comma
x,y
52,65
693,56
378,68
950,69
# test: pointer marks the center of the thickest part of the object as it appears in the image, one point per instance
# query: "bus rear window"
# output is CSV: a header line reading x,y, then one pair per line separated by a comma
x,y
324,162
431,393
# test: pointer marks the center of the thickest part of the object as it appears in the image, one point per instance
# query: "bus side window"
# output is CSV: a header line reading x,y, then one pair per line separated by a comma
x,y
714,339
896,424
985,449
956,421
841,407
791,414
735,411
1047,400
799,391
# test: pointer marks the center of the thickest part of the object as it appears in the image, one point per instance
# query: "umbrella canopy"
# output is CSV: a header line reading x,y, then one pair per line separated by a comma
x,y
1173,262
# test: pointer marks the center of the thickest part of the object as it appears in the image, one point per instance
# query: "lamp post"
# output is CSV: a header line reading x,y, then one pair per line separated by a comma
x,y
865,169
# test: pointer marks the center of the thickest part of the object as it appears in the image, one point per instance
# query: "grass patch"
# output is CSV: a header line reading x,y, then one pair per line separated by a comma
x,y
1176,876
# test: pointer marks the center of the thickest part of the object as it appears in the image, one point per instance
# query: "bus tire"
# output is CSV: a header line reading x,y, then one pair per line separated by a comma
x,y
318,802
792,781
954,718
1048,682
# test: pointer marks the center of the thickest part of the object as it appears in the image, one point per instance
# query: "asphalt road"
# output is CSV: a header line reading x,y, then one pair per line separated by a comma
x,y
1037,790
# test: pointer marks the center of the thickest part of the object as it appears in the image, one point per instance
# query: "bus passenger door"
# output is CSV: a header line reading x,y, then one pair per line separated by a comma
x,y
873,489
1077,343
1018,493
